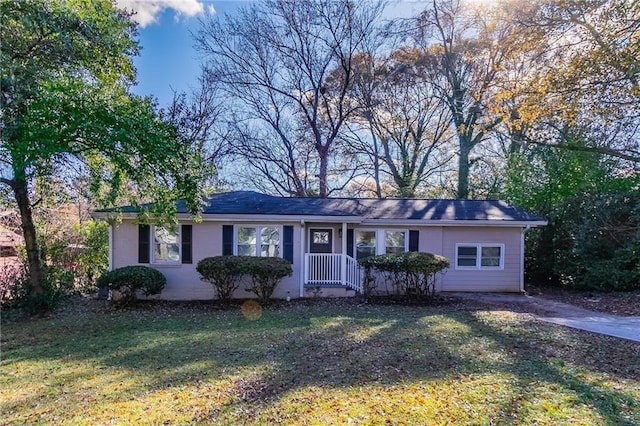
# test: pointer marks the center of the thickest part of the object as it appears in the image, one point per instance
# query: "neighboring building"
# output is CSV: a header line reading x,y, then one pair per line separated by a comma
x,y
9,242
325,237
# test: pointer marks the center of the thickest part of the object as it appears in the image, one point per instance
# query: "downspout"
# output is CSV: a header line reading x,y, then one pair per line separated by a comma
x,y
524,231
110,229
303,260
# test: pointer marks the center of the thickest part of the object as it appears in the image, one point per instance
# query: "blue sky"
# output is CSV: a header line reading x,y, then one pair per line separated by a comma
x,y
168,61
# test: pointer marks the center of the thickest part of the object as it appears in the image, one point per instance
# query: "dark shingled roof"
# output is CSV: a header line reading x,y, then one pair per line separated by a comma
x,y
253,203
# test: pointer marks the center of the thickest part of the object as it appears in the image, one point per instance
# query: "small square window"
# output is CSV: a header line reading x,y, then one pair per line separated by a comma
x,y
467,256
321,237
490,257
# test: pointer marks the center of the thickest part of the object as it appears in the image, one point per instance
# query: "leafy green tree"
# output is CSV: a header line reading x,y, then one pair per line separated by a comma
x,y
560,186
66,108
94,257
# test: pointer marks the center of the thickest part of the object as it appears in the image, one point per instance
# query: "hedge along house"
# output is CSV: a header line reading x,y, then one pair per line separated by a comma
x,y
324,238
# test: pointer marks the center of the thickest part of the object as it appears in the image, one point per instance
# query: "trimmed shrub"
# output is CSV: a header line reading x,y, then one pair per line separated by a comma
x,y
265,273
223,272
412,275
130,280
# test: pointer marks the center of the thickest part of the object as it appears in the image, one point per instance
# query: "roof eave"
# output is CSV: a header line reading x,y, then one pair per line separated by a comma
x,y
457,222
252,218
243,218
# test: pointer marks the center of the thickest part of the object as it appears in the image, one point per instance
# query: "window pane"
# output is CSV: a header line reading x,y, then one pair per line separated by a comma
x,y
490,256
466,262
395,242
365,244
246,241
467,256
270,236
321,237
468,251
166,248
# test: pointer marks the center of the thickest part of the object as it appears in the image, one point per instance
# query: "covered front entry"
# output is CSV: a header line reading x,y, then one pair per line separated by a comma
x,y
323,267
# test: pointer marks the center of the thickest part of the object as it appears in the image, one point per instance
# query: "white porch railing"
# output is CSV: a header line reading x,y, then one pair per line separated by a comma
x,y
325,269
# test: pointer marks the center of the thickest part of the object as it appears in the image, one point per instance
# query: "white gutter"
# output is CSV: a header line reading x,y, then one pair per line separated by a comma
x,y
244,218
454,223
524,231
110,247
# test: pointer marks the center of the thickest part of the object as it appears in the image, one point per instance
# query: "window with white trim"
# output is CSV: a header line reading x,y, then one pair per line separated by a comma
x,y
258,240
166,244
365,244
479,256
379,241
395,241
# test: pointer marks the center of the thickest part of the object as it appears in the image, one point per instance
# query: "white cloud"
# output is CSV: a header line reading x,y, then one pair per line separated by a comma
x,y
147,11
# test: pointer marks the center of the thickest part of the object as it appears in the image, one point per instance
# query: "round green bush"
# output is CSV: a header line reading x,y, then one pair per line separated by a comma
x,y
413,262
223,272
129,280
265,273
412,275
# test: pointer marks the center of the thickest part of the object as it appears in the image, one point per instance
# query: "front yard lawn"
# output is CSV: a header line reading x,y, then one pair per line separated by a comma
x,y
313,362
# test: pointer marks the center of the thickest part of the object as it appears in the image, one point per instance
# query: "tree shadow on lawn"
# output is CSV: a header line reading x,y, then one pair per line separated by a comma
x,y
302,347
394,355
553,356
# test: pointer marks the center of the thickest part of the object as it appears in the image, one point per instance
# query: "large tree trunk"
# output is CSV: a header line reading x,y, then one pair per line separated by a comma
x,y
376,155
29,232
322,173
463,171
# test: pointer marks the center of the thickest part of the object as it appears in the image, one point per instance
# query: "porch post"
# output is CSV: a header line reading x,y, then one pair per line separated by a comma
x,y
303,259
343,257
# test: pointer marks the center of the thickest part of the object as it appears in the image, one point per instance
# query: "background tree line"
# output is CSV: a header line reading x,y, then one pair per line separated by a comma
x,y
533,102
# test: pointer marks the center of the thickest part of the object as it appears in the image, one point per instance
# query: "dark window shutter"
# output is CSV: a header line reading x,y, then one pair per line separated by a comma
x,y
227,240
144,237
187,252
414,237
287,243
350,237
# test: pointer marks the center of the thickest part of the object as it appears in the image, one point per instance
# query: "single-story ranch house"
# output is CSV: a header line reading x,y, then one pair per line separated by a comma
x,y
324,238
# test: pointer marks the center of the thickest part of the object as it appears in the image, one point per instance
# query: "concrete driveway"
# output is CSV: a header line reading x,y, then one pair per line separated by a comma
x,y
564,314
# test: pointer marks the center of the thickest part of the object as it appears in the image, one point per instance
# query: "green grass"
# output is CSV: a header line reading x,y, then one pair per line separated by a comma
x,y
314,363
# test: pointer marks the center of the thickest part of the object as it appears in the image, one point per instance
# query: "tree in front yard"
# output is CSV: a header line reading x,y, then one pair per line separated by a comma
x,y
66,70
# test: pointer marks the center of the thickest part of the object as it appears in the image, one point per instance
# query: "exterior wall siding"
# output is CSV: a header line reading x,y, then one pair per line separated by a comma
x,y
503,280
183,281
